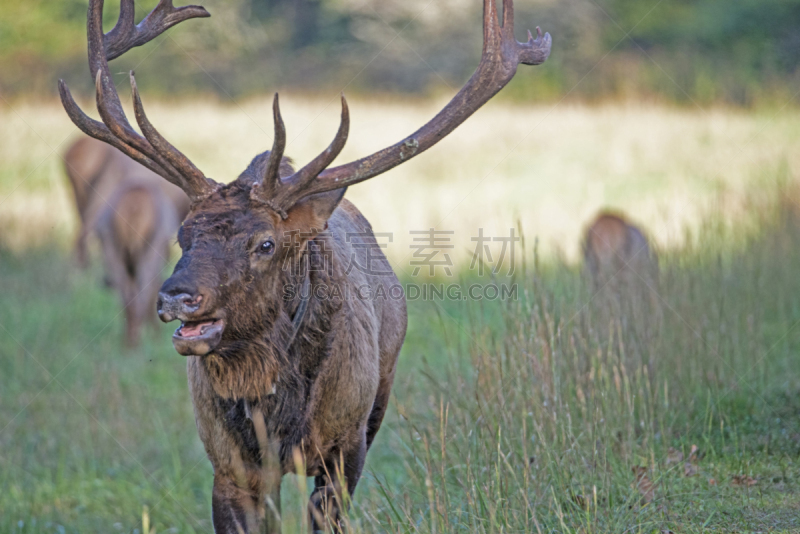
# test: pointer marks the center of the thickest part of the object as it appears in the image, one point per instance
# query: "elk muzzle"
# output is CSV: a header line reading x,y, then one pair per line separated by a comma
x,y
200,331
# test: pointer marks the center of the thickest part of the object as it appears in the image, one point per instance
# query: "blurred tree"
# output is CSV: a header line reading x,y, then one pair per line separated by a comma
x,y
700,51
306,18
713,49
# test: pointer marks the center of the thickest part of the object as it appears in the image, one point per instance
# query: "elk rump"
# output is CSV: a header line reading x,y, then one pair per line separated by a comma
x,y
617,253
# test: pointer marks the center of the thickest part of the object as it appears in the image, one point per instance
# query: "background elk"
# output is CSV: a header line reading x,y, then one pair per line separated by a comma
x,y
95,171
282,378
136,227
617,251
623,269
135,214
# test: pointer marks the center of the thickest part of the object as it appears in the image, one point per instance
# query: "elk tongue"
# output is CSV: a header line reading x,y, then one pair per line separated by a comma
x,y
194,329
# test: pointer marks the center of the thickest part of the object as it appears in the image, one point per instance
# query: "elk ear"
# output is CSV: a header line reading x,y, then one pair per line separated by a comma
x,y
313,212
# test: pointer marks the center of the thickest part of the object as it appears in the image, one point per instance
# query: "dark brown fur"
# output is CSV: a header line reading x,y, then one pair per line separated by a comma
x,y
322,397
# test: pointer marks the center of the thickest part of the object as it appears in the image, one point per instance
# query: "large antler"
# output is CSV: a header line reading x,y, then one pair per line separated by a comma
x,y
152,150
501,56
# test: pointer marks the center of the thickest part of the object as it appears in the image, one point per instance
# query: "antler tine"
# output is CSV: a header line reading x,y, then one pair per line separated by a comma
x,y
296,186
535,51
163,147
122,29
508,17
127,35
113,116
491,25
501,56
272,178
267,189
152,151
108,103
100,131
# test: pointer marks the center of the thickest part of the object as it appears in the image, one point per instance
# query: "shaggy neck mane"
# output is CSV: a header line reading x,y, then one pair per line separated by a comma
x,y
270,361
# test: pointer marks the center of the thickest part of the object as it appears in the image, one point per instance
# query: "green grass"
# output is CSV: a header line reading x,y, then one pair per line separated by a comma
x,y
520,416
506,417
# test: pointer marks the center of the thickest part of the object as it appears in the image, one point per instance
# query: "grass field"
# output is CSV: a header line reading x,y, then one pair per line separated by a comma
x,y
515,416
546,168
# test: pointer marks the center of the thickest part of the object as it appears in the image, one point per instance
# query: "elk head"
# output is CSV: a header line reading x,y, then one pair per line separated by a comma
x,y
226,288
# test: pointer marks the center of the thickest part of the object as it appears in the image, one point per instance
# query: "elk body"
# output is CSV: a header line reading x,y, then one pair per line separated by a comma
x,y
623,269
96,170
136,228
135,214
291,350
617,251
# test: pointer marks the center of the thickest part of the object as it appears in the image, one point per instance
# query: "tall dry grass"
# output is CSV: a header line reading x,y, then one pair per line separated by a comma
x,y
556,414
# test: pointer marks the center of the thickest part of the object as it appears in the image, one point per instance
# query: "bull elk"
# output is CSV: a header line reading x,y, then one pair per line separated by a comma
x,y
282,380
135,214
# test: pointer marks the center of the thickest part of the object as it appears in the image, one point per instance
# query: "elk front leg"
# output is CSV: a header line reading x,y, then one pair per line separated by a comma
x,y
328,498
248,500
234,508
248,504
271,473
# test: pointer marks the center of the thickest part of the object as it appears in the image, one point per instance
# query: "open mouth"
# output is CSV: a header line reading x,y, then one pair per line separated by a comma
x,y
198,338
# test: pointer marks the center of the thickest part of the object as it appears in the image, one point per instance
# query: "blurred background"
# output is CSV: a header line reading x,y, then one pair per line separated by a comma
x,y
661,108
682,114
686,51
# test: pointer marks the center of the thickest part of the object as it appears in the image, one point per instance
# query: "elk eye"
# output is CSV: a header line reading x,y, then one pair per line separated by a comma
x,y
267,247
